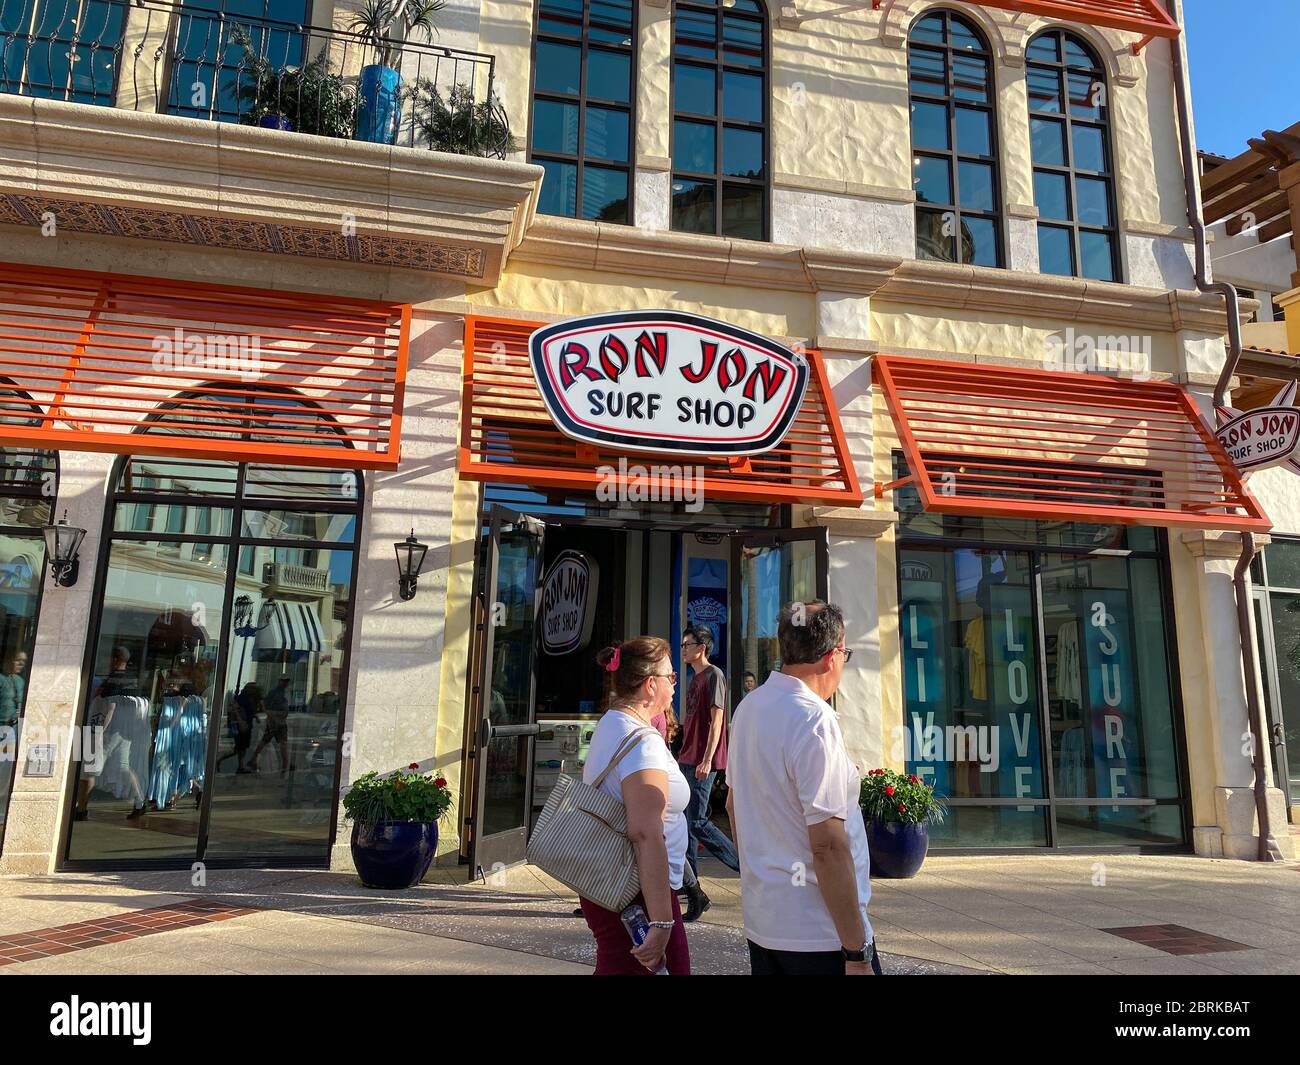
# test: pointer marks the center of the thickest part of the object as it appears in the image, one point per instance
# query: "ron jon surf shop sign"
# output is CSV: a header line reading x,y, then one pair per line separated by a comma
x,y
1266,436
669,382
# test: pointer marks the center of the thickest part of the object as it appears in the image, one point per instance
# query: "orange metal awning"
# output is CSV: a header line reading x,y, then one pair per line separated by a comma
x,y
220,372
1147,17
1063,446
507,435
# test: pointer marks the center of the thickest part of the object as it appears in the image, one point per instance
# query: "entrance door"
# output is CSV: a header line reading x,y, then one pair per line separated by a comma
x,y
769,570
503,745
1277,676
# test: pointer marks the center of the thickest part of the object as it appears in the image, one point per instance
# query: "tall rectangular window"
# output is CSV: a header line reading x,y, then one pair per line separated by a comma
x,y
583,128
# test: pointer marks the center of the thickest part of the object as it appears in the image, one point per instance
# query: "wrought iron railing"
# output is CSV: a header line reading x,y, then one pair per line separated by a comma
x,y
201,62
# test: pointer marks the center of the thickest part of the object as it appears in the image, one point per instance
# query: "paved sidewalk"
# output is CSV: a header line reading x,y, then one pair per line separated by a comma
x,y
1020,915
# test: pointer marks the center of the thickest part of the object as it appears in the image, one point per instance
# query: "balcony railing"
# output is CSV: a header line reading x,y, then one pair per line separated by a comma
x,y
183,59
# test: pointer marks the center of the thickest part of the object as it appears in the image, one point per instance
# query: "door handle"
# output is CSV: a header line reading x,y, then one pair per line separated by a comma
x,y
487,732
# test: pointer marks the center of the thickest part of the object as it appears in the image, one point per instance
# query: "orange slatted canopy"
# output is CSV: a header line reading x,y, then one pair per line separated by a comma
x,y
221,372
507,435
1147,17
1063,446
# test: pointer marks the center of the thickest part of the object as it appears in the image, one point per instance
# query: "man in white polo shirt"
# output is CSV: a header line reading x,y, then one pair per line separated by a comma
x,y
793,803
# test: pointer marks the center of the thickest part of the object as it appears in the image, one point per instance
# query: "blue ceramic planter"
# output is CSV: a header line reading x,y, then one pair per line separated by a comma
x,y
380,112
394,854
897,849
275,122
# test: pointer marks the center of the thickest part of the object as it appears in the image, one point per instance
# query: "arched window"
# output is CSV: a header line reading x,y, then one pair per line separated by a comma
x,y
220,639
720,146
954,142
29,481
1069,132
583,118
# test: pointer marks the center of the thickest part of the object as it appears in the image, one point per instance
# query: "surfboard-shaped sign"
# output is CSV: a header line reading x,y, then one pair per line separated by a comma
x,y
1263,437
569,602
667,382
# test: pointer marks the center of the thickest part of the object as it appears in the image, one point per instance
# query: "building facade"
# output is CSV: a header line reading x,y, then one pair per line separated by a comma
x,y
247,360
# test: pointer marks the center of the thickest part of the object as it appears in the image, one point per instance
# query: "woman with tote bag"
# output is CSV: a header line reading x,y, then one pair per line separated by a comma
x,y
645,778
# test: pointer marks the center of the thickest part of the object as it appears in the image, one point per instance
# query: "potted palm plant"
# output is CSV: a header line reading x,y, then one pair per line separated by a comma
x,y
387,25
897,810
395,825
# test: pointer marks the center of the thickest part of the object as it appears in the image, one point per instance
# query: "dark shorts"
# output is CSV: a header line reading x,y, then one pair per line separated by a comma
x,y
764,962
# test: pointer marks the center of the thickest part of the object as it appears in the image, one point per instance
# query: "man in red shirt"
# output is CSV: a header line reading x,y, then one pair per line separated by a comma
x,y
704,750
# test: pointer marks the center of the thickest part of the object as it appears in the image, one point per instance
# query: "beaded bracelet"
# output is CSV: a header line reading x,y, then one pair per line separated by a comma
x,y
662,924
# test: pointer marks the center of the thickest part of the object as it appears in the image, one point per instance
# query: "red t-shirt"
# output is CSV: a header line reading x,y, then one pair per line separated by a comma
x,y
708,688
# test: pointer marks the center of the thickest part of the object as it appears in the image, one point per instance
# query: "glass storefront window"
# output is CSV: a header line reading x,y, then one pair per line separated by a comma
x,y
1050,655
220,668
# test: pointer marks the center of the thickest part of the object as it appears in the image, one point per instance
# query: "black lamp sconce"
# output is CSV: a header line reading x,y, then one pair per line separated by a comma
x,y
410,559
61,543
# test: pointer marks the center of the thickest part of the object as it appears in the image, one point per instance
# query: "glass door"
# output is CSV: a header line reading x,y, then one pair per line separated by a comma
x,y
769,570
1277,618
503,742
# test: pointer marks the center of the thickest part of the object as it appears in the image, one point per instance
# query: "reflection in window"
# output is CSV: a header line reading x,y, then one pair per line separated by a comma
x,y
218,695
954,159
720,115
1069,136
581,133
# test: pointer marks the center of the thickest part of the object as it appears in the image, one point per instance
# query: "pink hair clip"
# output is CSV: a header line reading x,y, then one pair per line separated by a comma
x,y
612,666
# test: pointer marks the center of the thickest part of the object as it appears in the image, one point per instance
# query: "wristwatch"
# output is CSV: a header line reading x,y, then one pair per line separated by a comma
x,y
855,955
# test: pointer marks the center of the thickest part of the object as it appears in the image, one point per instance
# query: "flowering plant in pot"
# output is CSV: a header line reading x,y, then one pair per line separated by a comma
x,y
395,825
387,25
897,809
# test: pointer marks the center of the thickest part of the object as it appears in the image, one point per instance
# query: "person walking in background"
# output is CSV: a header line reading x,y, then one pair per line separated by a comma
x,y
805,872
276,705
749,682
703,753
655,795
244,707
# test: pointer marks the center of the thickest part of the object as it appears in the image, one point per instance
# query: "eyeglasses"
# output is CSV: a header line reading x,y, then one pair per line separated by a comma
x,y
847,652
690,643
669,676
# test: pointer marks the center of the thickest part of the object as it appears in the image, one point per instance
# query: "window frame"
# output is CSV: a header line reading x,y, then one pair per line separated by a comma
x,y
581,101
1060,69
953,155
238,500
719,66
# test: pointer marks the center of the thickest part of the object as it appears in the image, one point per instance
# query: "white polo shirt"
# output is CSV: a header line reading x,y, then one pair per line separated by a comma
x,y
787,770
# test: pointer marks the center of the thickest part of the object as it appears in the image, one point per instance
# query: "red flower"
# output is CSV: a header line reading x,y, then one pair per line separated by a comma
x,y
399,784
889,789
414,765
913,778
901,808
441,782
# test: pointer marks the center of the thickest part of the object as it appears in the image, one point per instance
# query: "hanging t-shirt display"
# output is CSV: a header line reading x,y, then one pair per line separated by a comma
x,y
706,601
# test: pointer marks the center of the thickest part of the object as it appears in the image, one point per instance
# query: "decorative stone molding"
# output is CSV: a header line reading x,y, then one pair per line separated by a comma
x,y
844,188
653,162
173,179
848,521
669,256
1216,544
1157,229
1022,210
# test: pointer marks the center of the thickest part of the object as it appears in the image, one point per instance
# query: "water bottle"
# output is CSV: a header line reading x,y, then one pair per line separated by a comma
x,y
637,923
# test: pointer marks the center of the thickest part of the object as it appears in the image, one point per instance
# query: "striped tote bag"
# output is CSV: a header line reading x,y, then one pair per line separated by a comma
x,y
581,838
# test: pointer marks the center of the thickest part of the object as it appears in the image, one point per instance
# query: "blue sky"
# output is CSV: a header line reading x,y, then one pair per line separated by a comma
x,y
1244,71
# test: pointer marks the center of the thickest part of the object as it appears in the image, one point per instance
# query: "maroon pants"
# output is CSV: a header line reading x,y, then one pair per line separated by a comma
x,y
614,945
